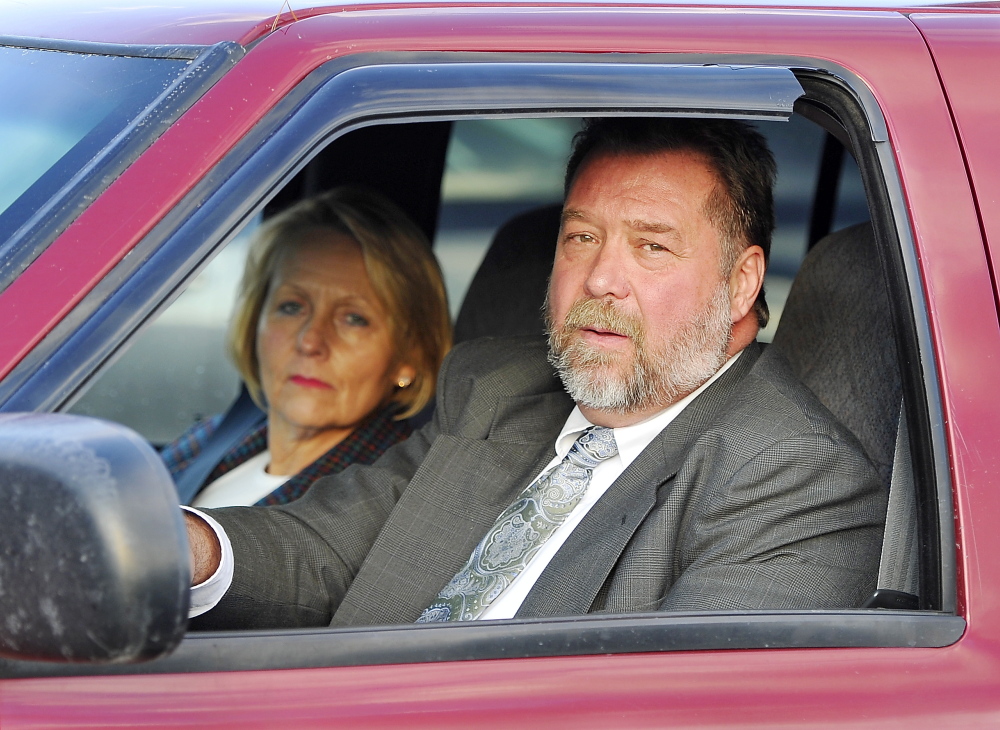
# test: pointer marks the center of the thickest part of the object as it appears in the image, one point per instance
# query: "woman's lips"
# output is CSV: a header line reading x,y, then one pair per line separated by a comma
x,y
305,382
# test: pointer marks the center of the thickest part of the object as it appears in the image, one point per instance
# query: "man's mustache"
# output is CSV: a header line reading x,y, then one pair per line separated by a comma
x,y
601,314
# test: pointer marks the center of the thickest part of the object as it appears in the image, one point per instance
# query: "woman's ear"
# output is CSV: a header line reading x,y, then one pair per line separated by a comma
x,y
405,376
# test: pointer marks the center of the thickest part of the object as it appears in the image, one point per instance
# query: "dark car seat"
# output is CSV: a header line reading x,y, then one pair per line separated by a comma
x,y
508,291
836,331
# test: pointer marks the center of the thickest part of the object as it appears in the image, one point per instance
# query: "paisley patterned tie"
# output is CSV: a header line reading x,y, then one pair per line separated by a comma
x,y
521,530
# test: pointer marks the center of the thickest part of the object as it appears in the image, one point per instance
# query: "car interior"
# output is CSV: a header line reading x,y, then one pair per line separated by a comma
x,y
487,192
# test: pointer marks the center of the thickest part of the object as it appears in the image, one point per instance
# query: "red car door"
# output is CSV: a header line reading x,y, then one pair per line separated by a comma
x,y
884,58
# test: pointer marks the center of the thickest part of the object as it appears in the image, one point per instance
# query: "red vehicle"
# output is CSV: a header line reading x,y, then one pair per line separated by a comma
x,y
140,144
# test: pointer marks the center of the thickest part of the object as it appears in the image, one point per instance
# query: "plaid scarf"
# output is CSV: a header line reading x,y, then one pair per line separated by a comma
x,y
363,445
181,453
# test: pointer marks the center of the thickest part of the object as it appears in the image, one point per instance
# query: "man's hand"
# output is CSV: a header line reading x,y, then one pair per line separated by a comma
x,y
206,553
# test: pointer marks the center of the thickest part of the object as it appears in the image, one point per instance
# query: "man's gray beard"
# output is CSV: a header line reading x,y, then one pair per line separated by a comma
x,y
600,380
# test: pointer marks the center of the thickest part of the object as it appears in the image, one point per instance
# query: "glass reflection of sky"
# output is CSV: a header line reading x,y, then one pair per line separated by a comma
x,y
53,100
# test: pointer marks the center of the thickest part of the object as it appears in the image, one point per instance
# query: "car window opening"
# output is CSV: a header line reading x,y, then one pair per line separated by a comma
x,y
475,167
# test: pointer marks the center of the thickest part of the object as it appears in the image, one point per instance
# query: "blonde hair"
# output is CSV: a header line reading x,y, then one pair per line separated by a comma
x,y
403,272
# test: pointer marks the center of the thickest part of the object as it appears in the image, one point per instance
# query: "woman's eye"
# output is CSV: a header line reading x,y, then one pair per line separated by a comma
x,y
356,320
288,308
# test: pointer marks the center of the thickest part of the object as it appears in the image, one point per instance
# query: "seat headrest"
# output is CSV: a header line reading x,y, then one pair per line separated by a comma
x,y
508,291
836,331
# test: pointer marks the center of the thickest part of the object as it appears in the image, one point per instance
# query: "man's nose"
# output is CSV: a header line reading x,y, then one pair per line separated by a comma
x,y
607,272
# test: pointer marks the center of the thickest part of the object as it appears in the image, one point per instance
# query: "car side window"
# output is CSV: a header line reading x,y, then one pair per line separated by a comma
x,y
177,372
494,170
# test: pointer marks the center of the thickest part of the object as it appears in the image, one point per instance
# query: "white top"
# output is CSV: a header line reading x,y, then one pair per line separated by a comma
x,y
631,441
243,486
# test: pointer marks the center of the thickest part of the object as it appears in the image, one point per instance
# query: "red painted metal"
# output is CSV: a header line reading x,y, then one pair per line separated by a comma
x,y
122,21
211,21
827,688
966,48
832,687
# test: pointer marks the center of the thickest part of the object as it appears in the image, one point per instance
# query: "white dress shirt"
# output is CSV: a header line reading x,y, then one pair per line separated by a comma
x,y
631,441
206,595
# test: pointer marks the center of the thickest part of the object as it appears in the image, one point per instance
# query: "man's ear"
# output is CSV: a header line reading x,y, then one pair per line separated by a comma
x,y
745,281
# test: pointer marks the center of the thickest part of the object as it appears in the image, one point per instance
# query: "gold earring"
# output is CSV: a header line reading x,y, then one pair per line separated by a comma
x,y
403,382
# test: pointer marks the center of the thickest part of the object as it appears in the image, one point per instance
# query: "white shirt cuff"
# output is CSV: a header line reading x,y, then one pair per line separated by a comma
x,y
207,594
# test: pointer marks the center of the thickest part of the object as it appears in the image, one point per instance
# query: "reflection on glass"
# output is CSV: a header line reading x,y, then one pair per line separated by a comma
x,y
176,371
495,169
59,110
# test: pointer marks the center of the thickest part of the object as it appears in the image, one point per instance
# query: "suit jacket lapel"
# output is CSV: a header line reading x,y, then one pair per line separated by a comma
x,y
452,500
570,583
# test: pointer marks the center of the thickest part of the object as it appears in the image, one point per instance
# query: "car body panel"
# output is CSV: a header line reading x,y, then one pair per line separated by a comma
x,y
861,687
245,21
761,688
183,22
966,49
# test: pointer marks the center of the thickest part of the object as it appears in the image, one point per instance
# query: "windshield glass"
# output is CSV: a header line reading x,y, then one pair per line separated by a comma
x,y
59,110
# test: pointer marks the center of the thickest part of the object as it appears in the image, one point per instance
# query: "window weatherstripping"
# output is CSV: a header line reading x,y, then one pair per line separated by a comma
x,y
578,636
747,92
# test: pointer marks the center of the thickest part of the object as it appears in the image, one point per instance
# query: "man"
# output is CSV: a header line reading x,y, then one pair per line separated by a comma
x,y
660,462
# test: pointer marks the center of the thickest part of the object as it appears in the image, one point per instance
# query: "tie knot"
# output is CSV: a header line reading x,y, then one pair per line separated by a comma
x,y
594,445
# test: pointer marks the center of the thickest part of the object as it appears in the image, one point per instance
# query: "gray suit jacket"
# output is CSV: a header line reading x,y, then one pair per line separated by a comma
x,y
753,498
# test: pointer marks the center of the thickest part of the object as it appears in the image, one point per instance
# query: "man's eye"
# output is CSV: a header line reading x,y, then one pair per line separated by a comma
x,y
581,237
356,320
654,247
288,308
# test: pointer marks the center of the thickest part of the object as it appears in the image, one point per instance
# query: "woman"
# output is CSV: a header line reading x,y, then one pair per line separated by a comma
x,y
339,330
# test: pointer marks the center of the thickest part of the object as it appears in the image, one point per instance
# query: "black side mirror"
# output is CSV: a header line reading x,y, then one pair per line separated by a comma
x,y
93,552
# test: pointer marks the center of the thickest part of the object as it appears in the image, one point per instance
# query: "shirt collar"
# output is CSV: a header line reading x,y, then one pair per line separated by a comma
x,y
633,439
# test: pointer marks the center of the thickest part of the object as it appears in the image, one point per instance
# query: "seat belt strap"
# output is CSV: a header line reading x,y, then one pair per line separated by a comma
x,y
898,567
242,417
898,577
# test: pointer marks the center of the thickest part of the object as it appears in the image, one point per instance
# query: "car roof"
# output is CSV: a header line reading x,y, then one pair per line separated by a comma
x,y
204,22
196,22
